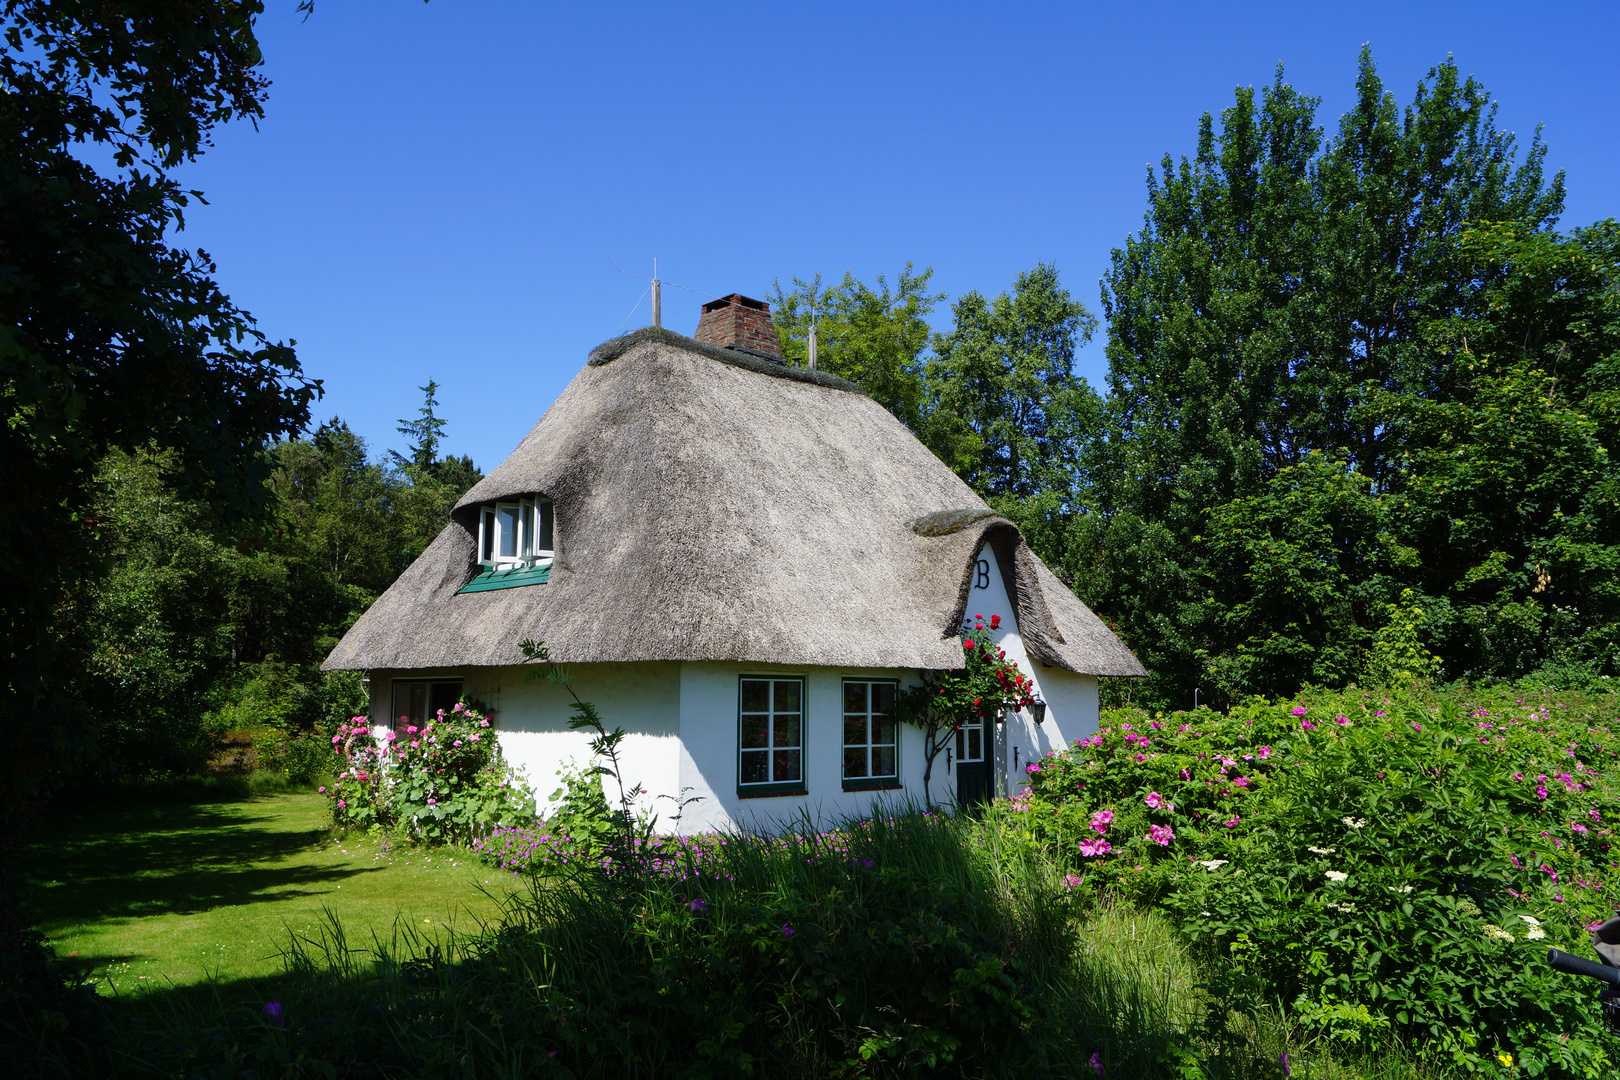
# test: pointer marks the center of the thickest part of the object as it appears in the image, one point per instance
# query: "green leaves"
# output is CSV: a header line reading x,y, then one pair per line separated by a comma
x,y
1397,863
1347,366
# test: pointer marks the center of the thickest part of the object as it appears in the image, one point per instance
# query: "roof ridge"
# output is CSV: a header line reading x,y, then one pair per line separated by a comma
x,y
609,351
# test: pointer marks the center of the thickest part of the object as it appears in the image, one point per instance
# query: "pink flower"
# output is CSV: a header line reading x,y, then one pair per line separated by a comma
x,y
1161,835
411,730
1071,882
483,723
1155,801
342,805
456,707
473,736
432,801
1141,757
1101,820
1097,1065
1265,752
322,791
1550,873
787,931
1342,721
336,739
1242,782
1234,822
1417,727
456,743
1306,725
1092,848
392,735
1299,710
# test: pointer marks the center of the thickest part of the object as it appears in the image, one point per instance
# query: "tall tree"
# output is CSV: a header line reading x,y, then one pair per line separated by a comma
x,y
1005,408
874,336
110,337
1280,286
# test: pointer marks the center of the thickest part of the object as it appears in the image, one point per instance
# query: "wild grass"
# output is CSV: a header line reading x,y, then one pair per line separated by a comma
x,y
909,946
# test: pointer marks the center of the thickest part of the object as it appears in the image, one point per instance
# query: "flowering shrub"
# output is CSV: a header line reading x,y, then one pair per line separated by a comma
x,y
1398,863
442,782
986,685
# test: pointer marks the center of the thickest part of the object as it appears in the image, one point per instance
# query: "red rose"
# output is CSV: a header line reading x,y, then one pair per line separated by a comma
x,y
968,644
995,621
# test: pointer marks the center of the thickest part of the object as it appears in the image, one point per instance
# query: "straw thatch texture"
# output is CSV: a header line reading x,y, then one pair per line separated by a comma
x,y
737,510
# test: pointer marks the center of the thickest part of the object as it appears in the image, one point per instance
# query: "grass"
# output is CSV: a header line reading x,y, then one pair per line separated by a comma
x,y
152,895
412,962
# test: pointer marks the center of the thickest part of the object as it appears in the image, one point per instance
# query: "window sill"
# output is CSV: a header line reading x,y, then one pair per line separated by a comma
x,y
771,791
881,783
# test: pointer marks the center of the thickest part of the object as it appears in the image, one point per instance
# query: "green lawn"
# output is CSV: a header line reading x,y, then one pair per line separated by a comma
x,y
152,896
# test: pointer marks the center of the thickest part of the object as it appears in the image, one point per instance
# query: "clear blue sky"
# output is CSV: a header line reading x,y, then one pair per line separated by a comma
x,y
436,188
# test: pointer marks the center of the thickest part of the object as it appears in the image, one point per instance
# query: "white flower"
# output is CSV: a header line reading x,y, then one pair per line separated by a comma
x,y
1399,888
1213,864
1334,905
1336,875
1535,933
1321,850
1497,933
1531,919
1354,822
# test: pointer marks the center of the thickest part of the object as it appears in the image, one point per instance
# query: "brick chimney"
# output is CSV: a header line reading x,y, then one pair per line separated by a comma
x,y
741,323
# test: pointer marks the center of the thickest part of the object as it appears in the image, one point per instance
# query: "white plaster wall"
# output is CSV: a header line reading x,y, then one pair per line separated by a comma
x,y
531,718
708,751
1071,700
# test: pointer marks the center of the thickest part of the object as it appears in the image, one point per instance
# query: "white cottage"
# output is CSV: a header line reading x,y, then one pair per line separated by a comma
x,y
740,561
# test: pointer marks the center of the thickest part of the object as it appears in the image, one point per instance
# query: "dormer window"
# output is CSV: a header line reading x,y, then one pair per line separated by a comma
x,y
515,533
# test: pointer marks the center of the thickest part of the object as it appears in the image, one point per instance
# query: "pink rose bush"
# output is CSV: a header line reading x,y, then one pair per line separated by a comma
x,y
447,784
1463,831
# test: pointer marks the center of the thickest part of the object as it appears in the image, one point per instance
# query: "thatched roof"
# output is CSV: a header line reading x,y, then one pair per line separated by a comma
x,y
711,505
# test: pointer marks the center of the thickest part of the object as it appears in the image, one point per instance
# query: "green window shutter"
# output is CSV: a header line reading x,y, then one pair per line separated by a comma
x,y
510,578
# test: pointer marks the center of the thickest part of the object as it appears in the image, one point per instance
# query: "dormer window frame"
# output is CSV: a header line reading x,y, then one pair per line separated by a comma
x,y
516,532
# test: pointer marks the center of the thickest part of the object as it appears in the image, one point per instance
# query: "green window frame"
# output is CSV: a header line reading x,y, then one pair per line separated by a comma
x,y
770,735
871,735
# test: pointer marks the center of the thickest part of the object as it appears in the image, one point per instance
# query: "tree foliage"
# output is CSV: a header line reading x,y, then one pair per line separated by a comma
x,y
194,626
1297,364
109,337
875,336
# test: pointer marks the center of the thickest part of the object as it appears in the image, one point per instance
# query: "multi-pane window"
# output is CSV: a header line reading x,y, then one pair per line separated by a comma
x,y
516,533
970,741
771,731
870,731
417,700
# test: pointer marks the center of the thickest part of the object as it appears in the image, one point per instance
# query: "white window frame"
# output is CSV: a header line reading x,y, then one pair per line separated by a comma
x,y
771,748
868,747
529,514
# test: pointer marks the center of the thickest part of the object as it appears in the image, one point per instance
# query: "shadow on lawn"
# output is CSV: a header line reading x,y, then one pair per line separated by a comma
x,y
106,864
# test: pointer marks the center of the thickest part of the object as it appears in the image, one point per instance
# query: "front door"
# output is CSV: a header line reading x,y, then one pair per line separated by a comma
x,y
973,763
